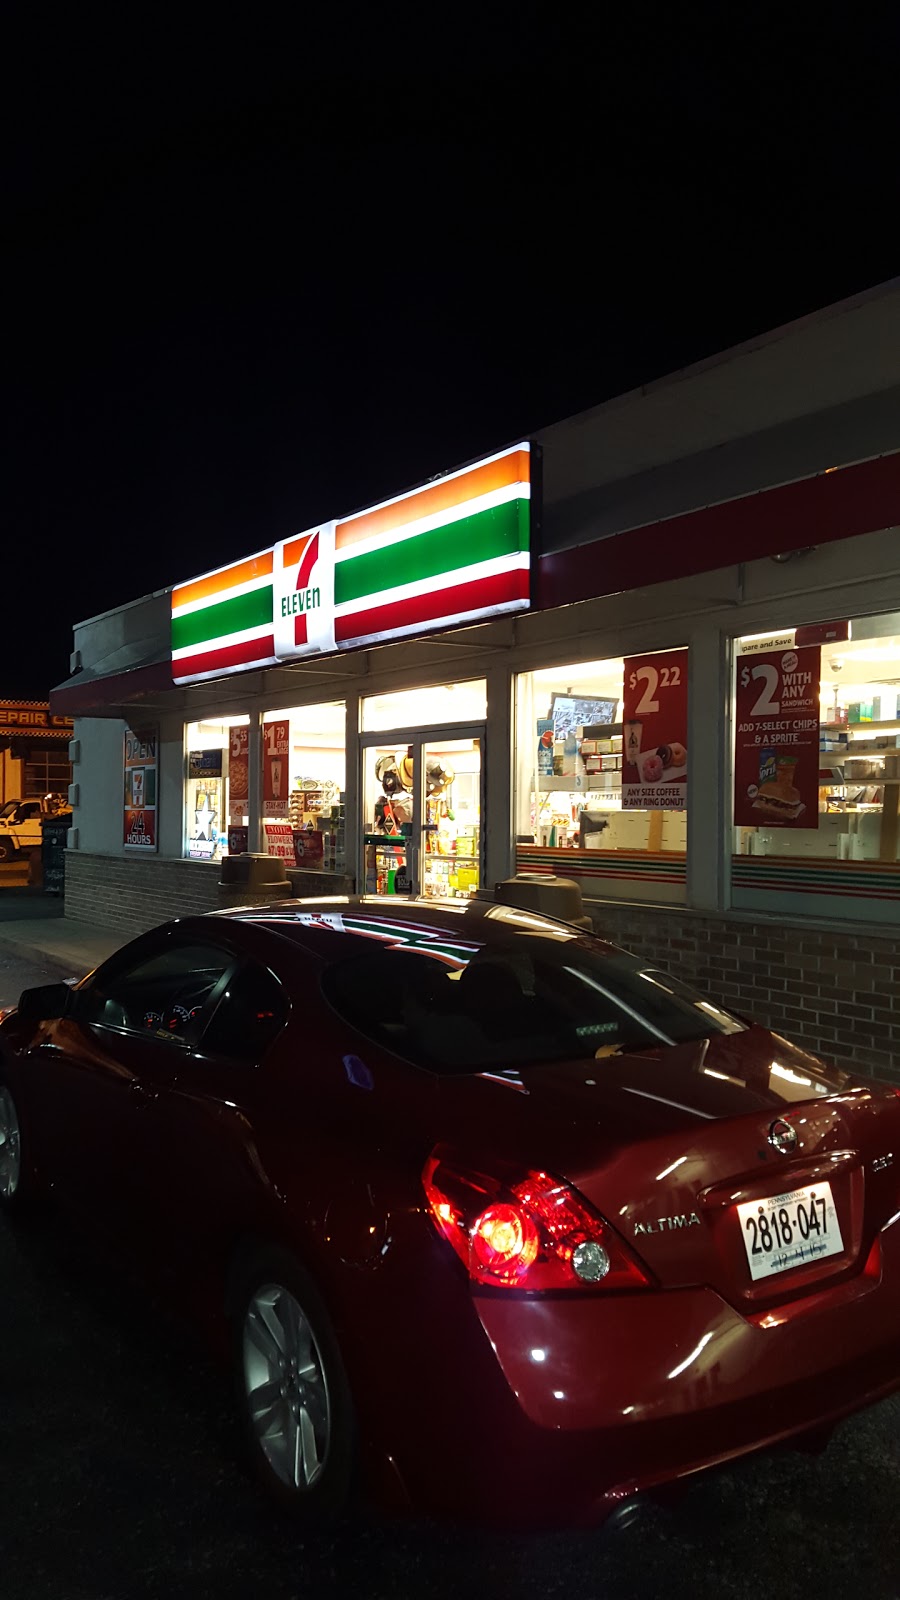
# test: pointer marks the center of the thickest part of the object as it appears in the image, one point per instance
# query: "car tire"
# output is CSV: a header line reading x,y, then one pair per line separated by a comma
x,y
19,1188
8,850
293,1397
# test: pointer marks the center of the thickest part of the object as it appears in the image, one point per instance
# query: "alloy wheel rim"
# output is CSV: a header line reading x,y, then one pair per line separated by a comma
x,y
10,1146
287,1392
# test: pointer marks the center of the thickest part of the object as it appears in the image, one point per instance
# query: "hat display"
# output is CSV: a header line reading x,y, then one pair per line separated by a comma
x,y
438,776
407,772
388,774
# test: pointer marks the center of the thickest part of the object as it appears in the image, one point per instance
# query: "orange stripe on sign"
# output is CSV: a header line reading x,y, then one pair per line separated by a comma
x,y
513,468
218,582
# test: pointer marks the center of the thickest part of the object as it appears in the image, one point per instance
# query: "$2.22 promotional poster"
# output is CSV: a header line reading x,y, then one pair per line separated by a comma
x,y
654,732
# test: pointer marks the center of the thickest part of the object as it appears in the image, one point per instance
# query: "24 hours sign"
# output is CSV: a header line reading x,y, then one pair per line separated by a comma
x,y
140,752
654,732
776,748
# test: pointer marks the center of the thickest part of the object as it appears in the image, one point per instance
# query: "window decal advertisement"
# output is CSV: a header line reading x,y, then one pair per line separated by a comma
x,y
776,747
141,751
276,781
280,840
654,732
205,764
239,769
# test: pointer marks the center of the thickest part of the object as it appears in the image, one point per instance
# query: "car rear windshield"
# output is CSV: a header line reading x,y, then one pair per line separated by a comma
x,y
535,1000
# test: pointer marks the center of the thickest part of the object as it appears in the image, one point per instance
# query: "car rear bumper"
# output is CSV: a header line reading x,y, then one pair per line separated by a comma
x,y
606,1399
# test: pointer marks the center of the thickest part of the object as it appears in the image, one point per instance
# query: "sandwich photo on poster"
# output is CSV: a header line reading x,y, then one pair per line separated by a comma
x,y
654,732
776,747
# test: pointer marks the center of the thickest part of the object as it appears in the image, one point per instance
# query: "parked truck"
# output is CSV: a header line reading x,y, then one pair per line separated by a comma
x,y
21,824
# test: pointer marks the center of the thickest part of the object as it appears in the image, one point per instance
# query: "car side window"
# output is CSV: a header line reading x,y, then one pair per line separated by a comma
x,y
166,995
251,1012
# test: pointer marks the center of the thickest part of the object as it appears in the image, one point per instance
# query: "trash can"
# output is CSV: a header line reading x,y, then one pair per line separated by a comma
x,y
252,879
545,894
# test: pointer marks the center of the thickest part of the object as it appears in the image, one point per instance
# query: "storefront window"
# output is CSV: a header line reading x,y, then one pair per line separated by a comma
x,y
817,766
216,790
303,783
573,814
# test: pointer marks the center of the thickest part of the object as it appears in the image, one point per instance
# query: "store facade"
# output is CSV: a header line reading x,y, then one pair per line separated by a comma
x,y
673,676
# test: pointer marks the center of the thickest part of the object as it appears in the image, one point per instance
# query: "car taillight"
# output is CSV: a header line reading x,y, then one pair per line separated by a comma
x,y
526,1232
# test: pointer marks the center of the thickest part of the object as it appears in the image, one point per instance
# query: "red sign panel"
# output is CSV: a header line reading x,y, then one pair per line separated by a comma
x,y
654,732
776,747
276,781
238,769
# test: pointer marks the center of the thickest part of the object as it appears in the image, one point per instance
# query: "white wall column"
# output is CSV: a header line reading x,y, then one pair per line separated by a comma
x,y
354,854
254,799
498,823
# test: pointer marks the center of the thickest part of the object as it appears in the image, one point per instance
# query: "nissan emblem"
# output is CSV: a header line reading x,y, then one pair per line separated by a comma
x,y
782,1137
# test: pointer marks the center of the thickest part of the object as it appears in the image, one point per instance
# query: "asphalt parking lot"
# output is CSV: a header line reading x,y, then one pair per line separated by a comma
x,y
120,1478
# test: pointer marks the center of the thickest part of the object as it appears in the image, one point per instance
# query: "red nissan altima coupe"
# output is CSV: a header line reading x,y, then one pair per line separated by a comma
x,y
492,1213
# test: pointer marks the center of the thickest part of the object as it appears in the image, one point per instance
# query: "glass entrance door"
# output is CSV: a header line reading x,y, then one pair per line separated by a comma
x,y
423,809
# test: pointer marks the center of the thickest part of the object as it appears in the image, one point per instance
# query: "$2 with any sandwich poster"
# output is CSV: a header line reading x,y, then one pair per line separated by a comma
x,y
776,746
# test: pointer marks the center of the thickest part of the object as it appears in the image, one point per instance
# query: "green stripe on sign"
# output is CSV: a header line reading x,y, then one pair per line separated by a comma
x,y
499,531
253,610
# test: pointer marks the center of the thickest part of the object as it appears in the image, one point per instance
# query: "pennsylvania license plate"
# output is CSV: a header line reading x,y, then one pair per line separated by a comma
x,y
790,1230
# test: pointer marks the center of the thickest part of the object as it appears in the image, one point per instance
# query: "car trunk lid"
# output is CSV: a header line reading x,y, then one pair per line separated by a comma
x,y
669,1144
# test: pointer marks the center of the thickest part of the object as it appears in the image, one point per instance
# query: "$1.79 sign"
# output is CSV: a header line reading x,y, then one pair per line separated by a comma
x,y
654,732
776,746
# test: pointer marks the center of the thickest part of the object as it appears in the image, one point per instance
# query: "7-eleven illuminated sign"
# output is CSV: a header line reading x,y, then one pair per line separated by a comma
x,y
303,583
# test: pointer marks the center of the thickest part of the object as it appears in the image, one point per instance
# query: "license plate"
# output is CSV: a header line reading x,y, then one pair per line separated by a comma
x,y
790,1230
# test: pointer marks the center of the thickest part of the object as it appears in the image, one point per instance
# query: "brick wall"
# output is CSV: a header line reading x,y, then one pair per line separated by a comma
x,y
130,895
836,993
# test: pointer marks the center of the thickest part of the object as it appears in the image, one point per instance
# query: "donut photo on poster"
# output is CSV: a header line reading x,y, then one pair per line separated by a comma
x,y
654,732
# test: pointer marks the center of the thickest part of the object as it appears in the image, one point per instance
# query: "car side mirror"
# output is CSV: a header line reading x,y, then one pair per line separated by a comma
x,y
46,1004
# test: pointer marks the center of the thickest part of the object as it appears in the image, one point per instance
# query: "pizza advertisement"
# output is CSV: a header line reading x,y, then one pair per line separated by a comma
x,y
776,747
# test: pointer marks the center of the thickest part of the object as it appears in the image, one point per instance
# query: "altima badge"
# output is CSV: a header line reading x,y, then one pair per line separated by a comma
x,y
668,1224
782,1137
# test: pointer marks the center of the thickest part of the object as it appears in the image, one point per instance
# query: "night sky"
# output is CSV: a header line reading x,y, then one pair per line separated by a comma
x,y
259,283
